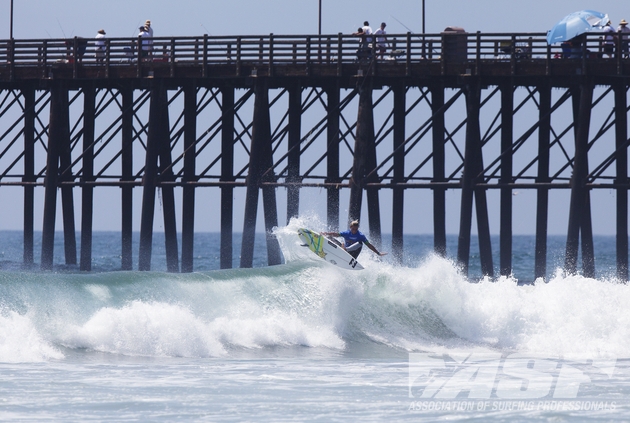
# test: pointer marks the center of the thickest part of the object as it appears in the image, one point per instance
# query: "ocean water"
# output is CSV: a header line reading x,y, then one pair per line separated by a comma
x,y
305,341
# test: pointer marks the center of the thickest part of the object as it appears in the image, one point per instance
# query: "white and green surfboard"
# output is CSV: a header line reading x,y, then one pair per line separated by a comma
x,y
328,250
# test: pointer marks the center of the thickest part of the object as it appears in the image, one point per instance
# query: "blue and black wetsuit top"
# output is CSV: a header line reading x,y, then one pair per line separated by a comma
x,y
351,239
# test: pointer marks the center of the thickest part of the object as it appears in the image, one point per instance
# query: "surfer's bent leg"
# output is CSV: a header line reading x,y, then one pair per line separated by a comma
x,y
355,246
355,249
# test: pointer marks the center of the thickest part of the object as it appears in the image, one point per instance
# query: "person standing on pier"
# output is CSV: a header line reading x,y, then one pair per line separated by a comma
x,y
147,26
363,52
367,30
354,240
143,48
381,40
609,40
100,46
623,31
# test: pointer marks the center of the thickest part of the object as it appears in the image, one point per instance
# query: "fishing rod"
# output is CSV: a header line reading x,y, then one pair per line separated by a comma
x,y
421,37
406,27
204,27
60,27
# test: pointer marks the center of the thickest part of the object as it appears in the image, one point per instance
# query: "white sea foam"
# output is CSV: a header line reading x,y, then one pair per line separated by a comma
x,y
160,329
428,306
277,329
148,329
432,306
20,341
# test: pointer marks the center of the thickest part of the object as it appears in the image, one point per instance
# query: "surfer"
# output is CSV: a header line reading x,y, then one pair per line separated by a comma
x,y
354,240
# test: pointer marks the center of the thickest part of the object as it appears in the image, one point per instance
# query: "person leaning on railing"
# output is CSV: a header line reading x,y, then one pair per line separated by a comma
x,y
363,53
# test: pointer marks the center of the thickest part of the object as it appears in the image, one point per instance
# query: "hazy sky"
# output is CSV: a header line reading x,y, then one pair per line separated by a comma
x,y
46,19
43,19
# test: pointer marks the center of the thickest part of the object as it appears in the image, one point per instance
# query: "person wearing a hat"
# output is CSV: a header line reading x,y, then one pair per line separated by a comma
x,y
147,27
623,31
99,46
144,47
354,240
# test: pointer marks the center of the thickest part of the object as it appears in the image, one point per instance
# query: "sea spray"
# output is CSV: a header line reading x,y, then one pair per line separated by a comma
x,y
427,305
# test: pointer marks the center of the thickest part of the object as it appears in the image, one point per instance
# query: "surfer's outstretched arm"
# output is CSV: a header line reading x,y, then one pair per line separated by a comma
x,y
373,248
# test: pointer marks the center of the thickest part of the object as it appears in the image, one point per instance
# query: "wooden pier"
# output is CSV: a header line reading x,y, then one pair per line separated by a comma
x,y
363,139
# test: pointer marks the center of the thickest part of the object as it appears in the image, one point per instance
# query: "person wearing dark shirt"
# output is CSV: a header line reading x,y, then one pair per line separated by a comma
x,y
354,240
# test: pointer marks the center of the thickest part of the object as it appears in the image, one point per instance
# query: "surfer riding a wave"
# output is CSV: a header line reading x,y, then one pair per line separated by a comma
x,y
354,240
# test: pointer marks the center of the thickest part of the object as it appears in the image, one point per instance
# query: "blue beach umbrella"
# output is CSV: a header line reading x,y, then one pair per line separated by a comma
x,y
575,24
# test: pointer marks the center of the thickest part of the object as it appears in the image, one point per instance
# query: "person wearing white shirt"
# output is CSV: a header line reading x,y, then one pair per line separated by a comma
x,y
100,46
381,40
144,43
367,30
609,40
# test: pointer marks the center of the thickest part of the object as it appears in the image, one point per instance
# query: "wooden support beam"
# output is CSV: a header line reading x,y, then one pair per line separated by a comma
x,y
332,156
507,125
259,135
473,166
67,199
29,174
400,111
439,166
481,205
260,170
293,159
483,230
87,196
56,133
363,140
586,223
227,175
542,193
374,215
270,208
165,170
579,208
150,177
127,175
188,200
373,203
621,163
586,237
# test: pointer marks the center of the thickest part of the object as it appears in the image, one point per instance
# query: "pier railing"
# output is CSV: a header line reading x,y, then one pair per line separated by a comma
x,y
470,49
